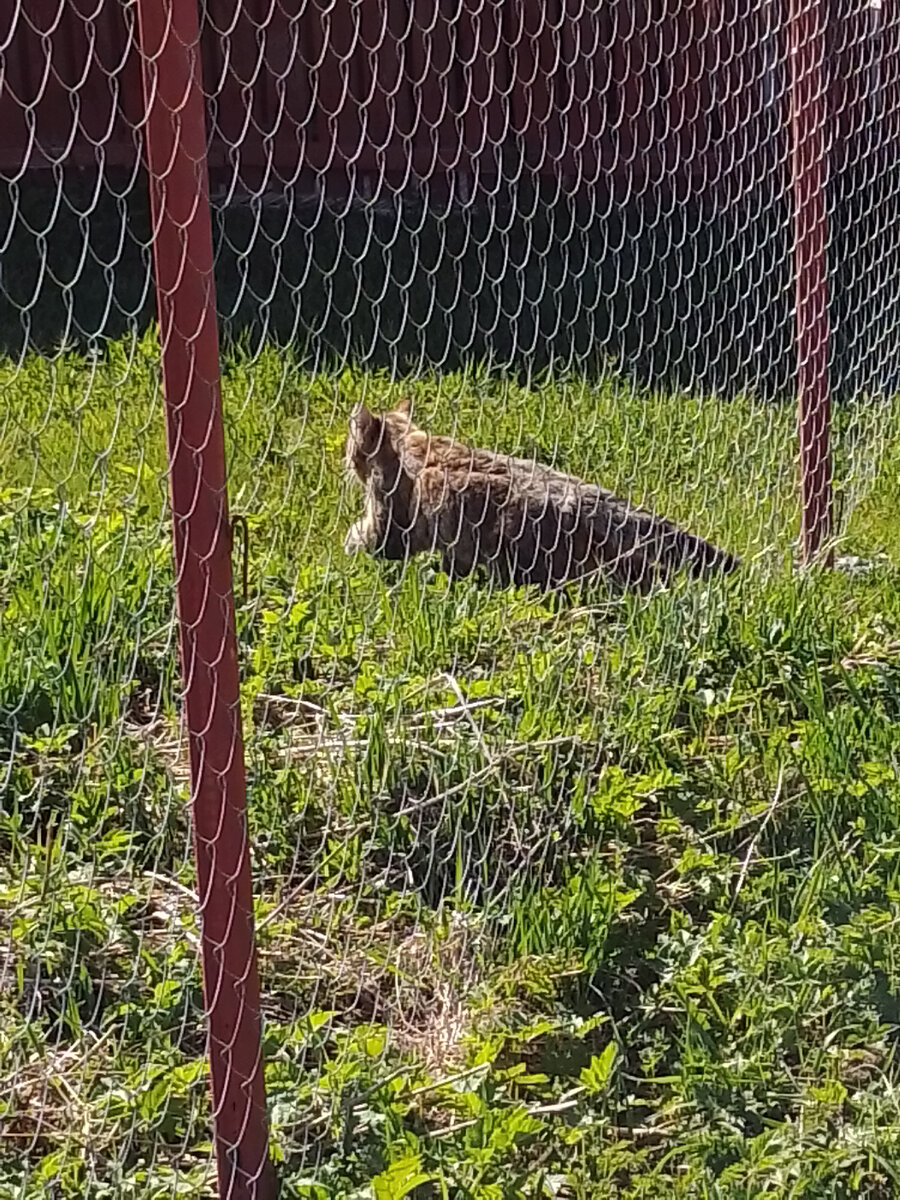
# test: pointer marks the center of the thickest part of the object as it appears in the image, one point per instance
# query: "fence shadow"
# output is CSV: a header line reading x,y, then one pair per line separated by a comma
x,y
675,296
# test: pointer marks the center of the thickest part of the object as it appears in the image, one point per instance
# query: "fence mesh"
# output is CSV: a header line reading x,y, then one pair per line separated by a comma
x,y
576,893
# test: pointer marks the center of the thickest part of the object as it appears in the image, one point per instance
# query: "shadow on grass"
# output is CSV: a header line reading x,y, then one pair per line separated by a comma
x,y
676,296
519,280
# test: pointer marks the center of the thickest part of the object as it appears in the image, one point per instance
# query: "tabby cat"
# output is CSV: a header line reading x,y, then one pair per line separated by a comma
x,y
523,522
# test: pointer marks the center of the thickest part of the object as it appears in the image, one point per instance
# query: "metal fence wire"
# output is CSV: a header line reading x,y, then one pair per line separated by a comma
x,y
448,598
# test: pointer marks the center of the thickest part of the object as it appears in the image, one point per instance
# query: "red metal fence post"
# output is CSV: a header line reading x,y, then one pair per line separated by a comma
x,y
175,139
809,174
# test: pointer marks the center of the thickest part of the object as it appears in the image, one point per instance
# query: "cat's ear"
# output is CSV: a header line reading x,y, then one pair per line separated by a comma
x,y
403,406
365,429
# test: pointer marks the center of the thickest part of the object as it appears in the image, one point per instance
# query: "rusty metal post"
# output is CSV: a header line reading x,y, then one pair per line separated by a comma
x,y
809,181
175,141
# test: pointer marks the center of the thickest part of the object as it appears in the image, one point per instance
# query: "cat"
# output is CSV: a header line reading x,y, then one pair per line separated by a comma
x,y
522,522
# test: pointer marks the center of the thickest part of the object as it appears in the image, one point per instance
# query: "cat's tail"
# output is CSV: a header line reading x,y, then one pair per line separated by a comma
x,y
703,558
639,546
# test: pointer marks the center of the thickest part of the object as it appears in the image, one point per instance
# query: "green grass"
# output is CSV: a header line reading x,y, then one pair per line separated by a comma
x,y
554,899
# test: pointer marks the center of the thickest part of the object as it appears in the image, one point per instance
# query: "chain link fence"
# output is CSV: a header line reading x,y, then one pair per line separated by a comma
x,y
569,893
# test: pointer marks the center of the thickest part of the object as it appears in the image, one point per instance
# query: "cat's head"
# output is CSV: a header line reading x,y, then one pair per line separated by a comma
x,y
375,441
385,453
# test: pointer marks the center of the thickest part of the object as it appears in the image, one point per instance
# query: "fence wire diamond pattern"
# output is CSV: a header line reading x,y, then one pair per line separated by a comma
x,y
333,848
